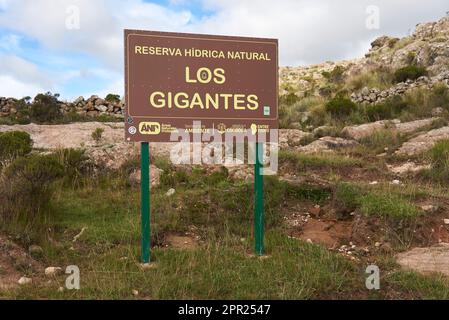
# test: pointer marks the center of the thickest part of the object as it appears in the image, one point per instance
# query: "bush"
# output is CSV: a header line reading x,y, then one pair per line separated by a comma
x,y
113,98
388,109
340,107
74,162
411,72
45,108
336,75
97,134
288,99
14,144
26,190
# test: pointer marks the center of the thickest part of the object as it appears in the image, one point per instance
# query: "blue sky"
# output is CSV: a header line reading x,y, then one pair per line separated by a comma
x,y
39,52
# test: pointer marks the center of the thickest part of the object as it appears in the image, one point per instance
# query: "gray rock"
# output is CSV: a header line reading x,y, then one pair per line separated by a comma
x,y
408,127
101,108
365,130
426,260
328,144
423,142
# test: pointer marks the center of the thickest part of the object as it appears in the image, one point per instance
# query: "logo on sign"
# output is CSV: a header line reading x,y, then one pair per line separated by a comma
x,y
150,128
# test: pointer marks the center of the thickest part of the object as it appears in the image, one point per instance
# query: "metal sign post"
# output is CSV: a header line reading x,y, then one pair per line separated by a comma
x,y
258,201
145,201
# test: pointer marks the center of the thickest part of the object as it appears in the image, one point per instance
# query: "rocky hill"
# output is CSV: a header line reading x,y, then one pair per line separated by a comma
x,y
427,46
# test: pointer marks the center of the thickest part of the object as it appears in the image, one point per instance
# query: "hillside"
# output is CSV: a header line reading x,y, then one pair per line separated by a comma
x,y
363,179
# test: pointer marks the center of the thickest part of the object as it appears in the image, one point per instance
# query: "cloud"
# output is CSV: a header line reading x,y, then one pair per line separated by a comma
x,y
12,87
309,31
23,70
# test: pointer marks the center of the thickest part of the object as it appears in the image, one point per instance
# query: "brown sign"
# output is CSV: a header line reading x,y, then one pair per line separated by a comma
x,y
229,84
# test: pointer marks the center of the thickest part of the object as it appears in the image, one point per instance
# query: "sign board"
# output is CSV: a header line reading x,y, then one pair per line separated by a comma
x,y
230,84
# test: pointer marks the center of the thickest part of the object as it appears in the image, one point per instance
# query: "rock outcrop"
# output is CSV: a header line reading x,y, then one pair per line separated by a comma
x,y
328,144
423,142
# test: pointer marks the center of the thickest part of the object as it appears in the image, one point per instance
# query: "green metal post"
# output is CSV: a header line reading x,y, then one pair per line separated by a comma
x,y
145,200
258,201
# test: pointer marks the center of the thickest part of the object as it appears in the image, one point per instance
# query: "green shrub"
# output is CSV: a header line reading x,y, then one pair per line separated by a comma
x,y
288,99
113,98
14,144
45,108
74,162
336,75
26,191
97,134
388,109
411,72
346,197
340,107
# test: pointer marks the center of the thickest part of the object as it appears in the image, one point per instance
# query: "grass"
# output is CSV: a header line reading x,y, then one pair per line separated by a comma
x,y
382,141
382,202
388,206
303,162
439,159
220,267
294,270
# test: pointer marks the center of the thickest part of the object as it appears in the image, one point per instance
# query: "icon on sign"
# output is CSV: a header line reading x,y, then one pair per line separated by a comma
x,y
254,128
221,128
150,128
266,111
132,130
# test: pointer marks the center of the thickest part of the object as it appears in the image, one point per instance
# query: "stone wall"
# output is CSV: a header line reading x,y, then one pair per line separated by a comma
x,y
91,107
373,95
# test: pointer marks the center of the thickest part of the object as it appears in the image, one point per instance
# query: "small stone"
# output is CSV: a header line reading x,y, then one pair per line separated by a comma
x,y
148,266
61,289
429,208
24,281
170,192
377,244
309,241
373,183
446,221
52,271
396,182
135,293
315,211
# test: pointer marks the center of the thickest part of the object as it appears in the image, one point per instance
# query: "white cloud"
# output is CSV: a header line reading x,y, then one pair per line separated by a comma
x,y
309,31
12,87
24,71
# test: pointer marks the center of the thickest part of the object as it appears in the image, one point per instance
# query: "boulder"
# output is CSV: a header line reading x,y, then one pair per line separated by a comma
x,y
426,260
365,130
423,142
155,175
408,127
328,144
292,137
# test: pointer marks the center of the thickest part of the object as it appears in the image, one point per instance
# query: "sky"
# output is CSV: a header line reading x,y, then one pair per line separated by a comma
x,y
75,47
